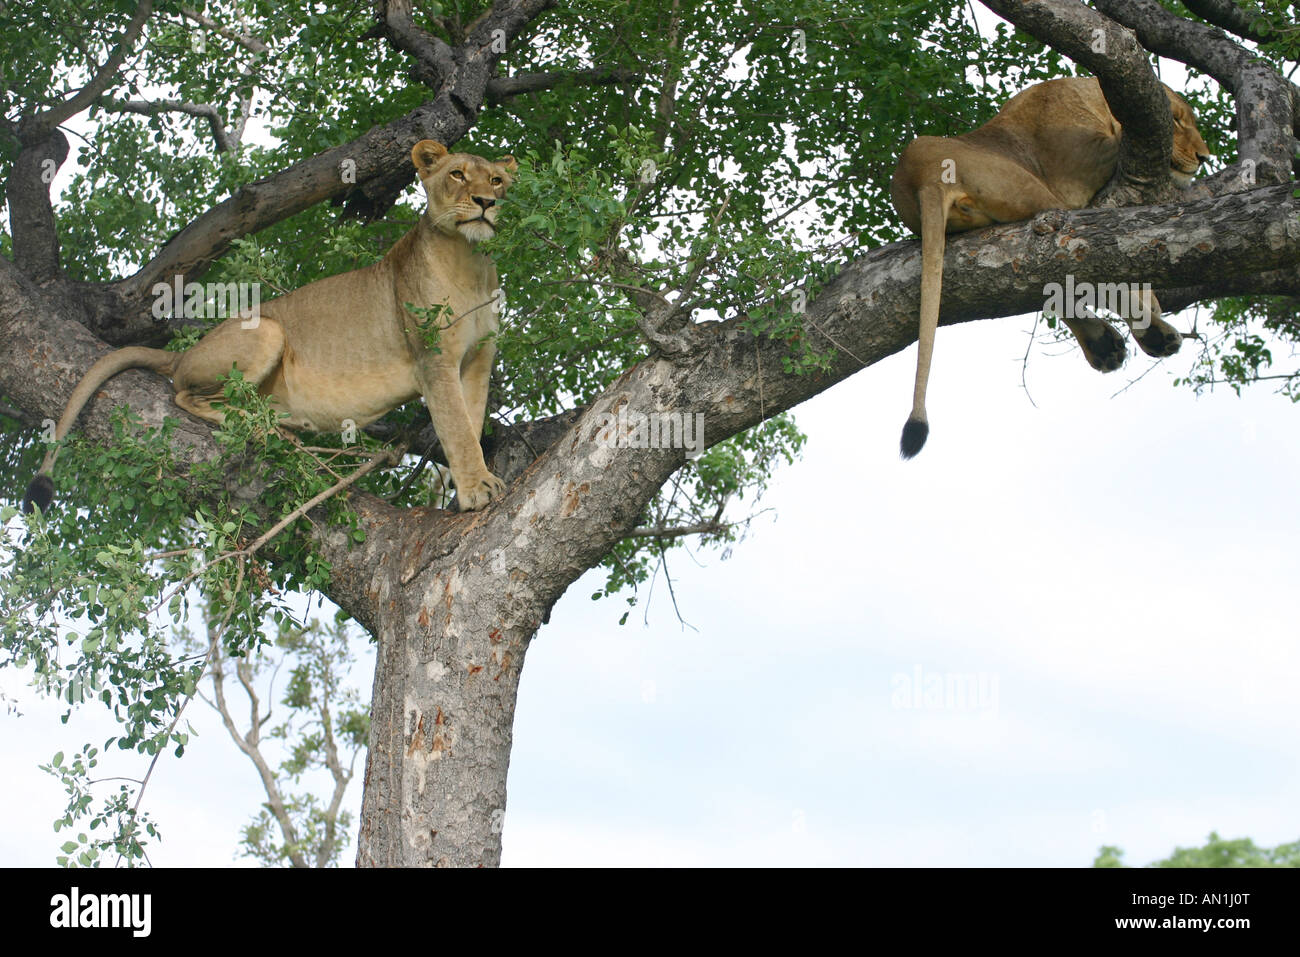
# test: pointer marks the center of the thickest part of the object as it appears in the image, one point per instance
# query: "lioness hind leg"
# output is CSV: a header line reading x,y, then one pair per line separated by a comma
x,y
1102,345
1156,337
255,351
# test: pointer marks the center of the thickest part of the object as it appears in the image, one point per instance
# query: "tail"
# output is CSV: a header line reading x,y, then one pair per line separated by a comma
x,y
41,490
935,203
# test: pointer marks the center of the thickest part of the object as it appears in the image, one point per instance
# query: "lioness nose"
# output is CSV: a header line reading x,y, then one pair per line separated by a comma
x,y
485,201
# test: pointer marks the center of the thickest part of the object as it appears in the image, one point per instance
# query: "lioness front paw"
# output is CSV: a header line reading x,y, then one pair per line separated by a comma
x,y
1160,339
1106,350
478,491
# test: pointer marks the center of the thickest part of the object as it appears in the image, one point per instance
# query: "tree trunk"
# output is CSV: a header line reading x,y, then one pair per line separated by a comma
x,y
446,675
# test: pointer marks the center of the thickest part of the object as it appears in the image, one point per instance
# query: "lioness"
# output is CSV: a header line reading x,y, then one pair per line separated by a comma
x,y
347,348
1053,145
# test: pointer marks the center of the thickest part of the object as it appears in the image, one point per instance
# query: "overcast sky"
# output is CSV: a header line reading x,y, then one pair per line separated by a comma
x,y
1120,571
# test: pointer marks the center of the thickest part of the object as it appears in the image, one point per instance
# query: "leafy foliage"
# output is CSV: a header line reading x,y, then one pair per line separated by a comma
x,y
1216,853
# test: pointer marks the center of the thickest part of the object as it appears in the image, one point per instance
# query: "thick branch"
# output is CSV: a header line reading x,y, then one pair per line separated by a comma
x,y
503,87
1227,15
1132,91
31,212
508,449
434,62
1280,282
1268,107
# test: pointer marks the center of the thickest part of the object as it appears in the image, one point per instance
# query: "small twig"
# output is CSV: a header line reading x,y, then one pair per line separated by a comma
x,y
1024,363
393,455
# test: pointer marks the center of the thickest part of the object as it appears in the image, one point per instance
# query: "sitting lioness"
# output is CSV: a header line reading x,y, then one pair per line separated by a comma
x,y
346,348
1053,145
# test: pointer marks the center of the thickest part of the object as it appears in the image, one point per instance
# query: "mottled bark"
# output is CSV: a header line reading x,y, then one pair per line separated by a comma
x,y
1268,106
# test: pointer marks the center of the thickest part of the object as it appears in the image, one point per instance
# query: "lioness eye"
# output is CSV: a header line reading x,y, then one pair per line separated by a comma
x,y
457,174
496,180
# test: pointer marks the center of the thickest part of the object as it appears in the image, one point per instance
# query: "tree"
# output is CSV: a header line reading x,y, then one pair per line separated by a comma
x,y
324,728
695,179
1216,853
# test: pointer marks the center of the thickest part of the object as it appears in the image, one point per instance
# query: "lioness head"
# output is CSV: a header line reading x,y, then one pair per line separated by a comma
x,y
1190,150
462,189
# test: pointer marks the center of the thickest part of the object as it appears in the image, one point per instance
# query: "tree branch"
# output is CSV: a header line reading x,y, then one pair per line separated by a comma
x,y
680,531
434,61
225,143
31,211
1268,107
1227,15
503,87
39,126
381,157
246,40
248,745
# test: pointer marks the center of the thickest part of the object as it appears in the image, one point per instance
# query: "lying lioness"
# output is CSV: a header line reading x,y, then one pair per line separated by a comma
x,y
346,349
1051,146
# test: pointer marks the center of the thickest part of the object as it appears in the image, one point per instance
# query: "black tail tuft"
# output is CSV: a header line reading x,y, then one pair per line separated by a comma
x,y
40,492
915,432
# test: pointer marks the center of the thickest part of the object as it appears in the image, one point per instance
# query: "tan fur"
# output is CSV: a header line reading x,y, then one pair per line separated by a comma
x,y
1054,145
346,347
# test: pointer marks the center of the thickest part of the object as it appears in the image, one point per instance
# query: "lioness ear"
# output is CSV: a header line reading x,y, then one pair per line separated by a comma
x,y
425,154
509,163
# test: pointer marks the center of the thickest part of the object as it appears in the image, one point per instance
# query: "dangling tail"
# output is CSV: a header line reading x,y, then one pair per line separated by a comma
x,y
41,490
935,204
